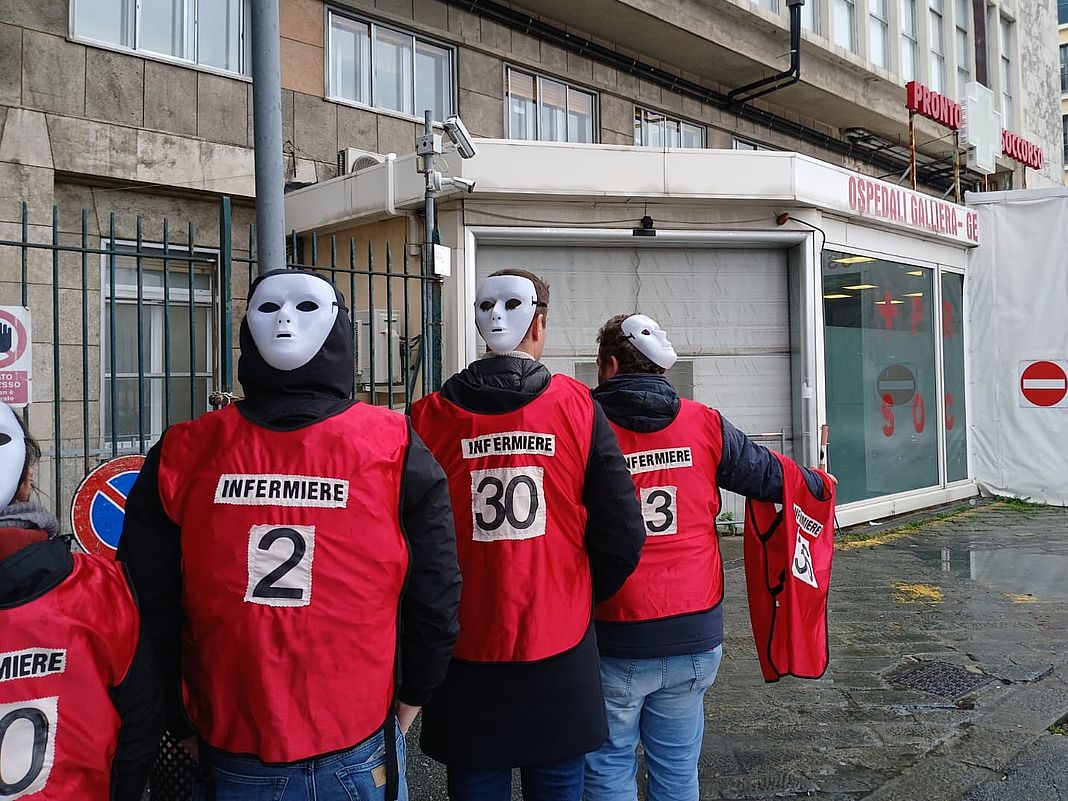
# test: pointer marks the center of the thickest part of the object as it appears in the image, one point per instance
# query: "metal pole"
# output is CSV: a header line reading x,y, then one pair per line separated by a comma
x,y
267,120
430,345
956,166
912,148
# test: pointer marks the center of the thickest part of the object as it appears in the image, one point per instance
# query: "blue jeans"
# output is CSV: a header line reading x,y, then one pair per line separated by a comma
x,y
661,703
552,781
354,775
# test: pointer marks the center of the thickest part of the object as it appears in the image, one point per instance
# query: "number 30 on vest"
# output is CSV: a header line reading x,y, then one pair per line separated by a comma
x,y
508,503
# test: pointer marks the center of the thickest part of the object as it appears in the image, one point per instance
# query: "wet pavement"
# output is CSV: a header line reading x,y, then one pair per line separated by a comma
x,y
971,608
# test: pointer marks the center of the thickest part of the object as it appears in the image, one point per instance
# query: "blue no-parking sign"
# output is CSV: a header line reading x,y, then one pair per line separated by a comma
x,y
99,506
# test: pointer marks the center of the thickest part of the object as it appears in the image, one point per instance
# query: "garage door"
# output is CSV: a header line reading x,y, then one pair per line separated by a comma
x,y
725,310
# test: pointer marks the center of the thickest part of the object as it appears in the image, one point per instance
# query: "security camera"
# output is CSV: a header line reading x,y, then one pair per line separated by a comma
x,y
465,184
457,132
439,182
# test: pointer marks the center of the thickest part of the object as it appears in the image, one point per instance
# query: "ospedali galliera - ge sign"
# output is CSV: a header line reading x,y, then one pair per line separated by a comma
x,y
934,106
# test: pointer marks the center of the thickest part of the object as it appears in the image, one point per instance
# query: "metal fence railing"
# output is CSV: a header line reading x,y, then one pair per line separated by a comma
x,y
133,326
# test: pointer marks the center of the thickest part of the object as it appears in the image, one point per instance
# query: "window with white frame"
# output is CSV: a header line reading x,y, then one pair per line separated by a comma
x,y
388,68
548,110
653,129
879,33
178,351
810,16
937,43
845,24
208,33
964,50
1006,71
770,5
909,43
741,144
1064,69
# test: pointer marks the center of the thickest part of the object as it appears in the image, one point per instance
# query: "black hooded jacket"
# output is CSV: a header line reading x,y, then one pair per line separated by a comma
x,y
35,570
645,403
286,401
501,715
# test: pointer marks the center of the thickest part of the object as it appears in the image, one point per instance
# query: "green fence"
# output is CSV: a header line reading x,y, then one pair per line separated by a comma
x,y
133,332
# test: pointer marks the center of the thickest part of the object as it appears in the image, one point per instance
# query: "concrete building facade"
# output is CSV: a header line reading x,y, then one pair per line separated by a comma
x,y
144,108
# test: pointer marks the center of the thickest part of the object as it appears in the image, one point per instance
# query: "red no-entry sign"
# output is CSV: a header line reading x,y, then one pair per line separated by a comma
x,y
1043,383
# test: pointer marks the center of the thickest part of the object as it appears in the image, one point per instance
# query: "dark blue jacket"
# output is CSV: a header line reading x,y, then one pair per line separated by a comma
x,y
644,403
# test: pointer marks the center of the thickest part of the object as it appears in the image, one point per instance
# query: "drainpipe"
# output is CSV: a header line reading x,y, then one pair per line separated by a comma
x,y
391,184
765,86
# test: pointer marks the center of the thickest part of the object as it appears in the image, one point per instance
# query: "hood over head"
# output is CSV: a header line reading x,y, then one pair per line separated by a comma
x,y
312,389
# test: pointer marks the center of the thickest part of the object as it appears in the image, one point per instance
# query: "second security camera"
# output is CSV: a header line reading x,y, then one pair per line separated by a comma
x,y
457,132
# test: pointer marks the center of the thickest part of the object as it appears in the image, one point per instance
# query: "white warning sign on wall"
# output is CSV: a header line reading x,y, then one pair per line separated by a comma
x,y
16,355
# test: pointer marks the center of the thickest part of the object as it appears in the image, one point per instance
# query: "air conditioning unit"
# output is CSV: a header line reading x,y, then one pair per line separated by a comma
x,y
352,159
381,328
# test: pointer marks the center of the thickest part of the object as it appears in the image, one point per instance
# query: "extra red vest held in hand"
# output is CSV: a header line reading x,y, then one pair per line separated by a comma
x,y
674,473
62,655
516,483
293,561
788,553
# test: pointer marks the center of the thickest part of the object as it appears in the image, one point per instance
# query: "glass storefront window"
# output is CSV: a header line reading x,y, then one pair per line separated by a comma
x,y
882,404
953,359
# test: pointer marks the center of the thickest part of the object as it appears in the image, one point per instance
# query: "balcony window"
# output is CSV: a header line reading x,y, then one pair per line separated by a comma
x,y
547,110
207,34
653,129
388,68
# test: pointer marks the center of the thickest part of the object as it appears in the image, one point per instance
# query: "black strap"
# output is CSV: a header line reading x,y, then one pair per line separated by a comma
x,y
392,763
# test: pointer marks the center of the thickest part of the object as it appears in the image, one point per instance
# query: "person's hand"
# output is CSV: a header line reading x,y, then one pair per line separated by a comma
x,y
406,715
5,338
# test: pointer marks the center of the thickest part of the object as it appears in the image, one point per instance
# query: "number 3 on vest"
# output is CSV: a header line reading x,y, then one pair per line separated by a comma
x,y
280,565
660,510
508,503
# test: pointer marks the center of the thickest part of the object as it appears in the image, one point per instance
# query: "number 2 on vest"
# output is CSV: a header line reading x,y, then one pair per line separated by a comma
x,y
280,565
660,510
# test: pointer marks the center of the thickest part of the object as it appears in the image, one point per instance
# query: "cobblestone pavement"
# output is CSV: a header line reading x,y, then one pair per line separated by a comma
x,y
982,591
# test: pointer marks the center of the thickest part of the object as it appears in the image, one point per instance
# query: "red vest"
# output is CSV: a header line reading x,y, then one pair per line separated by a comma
x,y
293,562
516,484
788,553
674,474
62,655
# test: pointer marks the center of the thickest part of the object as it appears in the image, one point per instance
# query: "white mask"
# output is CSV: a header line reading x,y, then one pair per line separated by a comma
x,y
504,309
12,454
290,317
650,340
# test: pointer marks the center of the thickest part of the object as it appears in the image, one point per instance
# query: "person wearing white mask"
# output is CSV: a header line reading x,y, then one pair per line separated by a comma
x,y
661,636
80,706
547,523
296,559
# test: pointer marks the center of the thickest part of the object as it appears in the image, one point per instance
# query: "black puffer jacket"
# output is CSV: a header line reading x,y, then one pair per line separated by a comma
x,y
645,403
503,715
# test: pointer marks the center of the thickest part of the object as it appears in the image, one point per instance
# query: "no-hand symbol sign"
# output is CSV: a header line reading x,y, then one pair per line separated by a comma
x,y
1044,383
99,506
16,358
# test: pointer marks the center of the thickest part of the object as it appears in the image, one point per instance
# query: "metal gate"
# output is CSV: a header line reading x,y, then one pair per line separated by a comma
x,y
132,334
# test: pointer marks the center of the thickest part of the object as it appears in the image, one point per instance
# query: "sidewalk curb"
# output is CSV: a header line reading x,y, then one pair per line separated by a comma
x,y
985,746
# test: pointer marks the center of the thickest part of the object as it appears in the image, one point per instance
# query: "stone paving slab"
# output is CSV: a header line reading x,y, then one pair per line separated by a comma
x,y
961,590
